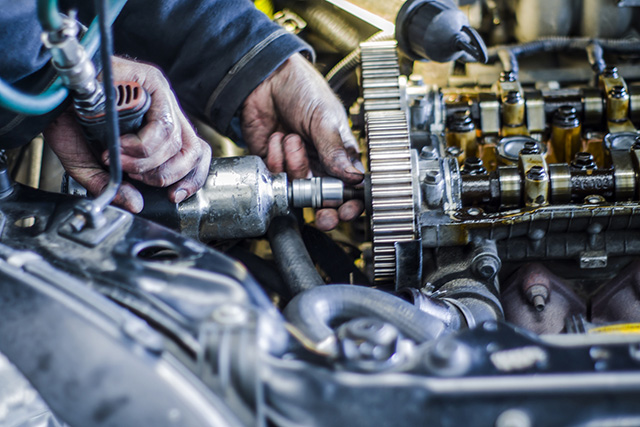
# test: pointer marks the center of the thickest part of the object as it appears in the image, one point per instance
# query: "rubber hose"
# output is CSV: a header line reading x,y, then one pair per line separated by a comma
x,y
553,44
22,103
291,256
49,15
264,271
594,53
339,73
509,61
314,312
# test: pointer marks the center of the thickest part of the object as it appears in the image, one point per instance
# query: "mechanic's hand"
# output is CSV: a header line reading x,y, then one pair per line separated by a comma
x,y
293,106
165,152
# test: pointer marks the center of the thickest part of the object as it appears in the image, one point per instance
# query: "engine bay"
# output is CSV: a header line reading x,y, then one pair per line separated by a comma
x,y
494,278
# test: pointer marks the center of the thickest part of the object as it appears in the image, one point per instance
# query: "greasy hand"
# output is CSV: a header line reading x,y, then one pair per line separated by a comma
x,y
165,152
294,113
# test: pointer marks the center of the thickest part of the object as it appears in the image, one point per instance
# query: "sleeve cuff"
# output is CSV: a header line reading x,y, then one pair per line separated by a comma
x,y
255,66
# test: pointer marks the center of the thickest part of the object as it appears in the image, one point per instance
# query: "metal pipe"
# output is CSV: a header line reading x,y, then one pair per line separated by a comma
x,y
112,125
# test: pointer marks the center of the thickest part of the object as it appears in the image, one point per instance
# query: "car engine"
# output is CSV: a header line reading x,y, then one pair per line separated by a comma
x,y
493,280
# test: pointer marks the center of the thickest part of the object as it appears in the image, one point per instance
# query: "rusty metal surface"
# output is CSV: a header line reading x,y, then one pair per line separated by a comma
x,y
619,299
537,300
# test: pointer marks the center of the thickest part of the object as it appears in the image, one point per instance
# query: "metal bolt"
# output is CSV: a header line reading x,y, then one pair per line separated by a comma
x,y
538,295
442,351
78,223
487,266
566,116
594,199
474,211
453,151
368,338
427,153
583,161
416,80
507,76
611,72
566,111
432,177
513,97
447,357
530,147
461,121
291,26
473,166
618,92
536,173
539,302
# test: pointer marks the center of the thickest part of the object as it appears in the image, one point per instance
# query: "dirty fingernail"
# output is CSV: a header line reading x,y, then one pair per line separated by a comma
x,y
180,196
353,171
137,205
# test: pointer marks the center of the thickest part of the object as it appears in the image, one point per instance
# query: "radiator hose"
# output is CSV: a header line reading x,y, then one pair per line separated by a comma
x,y
291,256
314,312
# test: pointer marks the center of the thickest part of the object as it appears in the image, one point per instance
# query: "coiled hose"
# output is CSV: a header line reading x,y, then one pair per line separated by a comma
x,y
331,26
50,19
314,312
340,72
291,256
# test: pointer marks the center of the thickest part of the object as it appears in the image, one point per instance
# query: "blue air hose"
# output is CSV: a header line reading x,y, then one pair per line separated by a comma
x,y
50,19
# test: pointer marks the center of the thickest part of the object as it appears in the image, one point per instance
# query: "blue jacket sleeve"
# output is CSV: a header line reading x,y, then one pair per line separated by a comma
x,y
23,64
214,52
